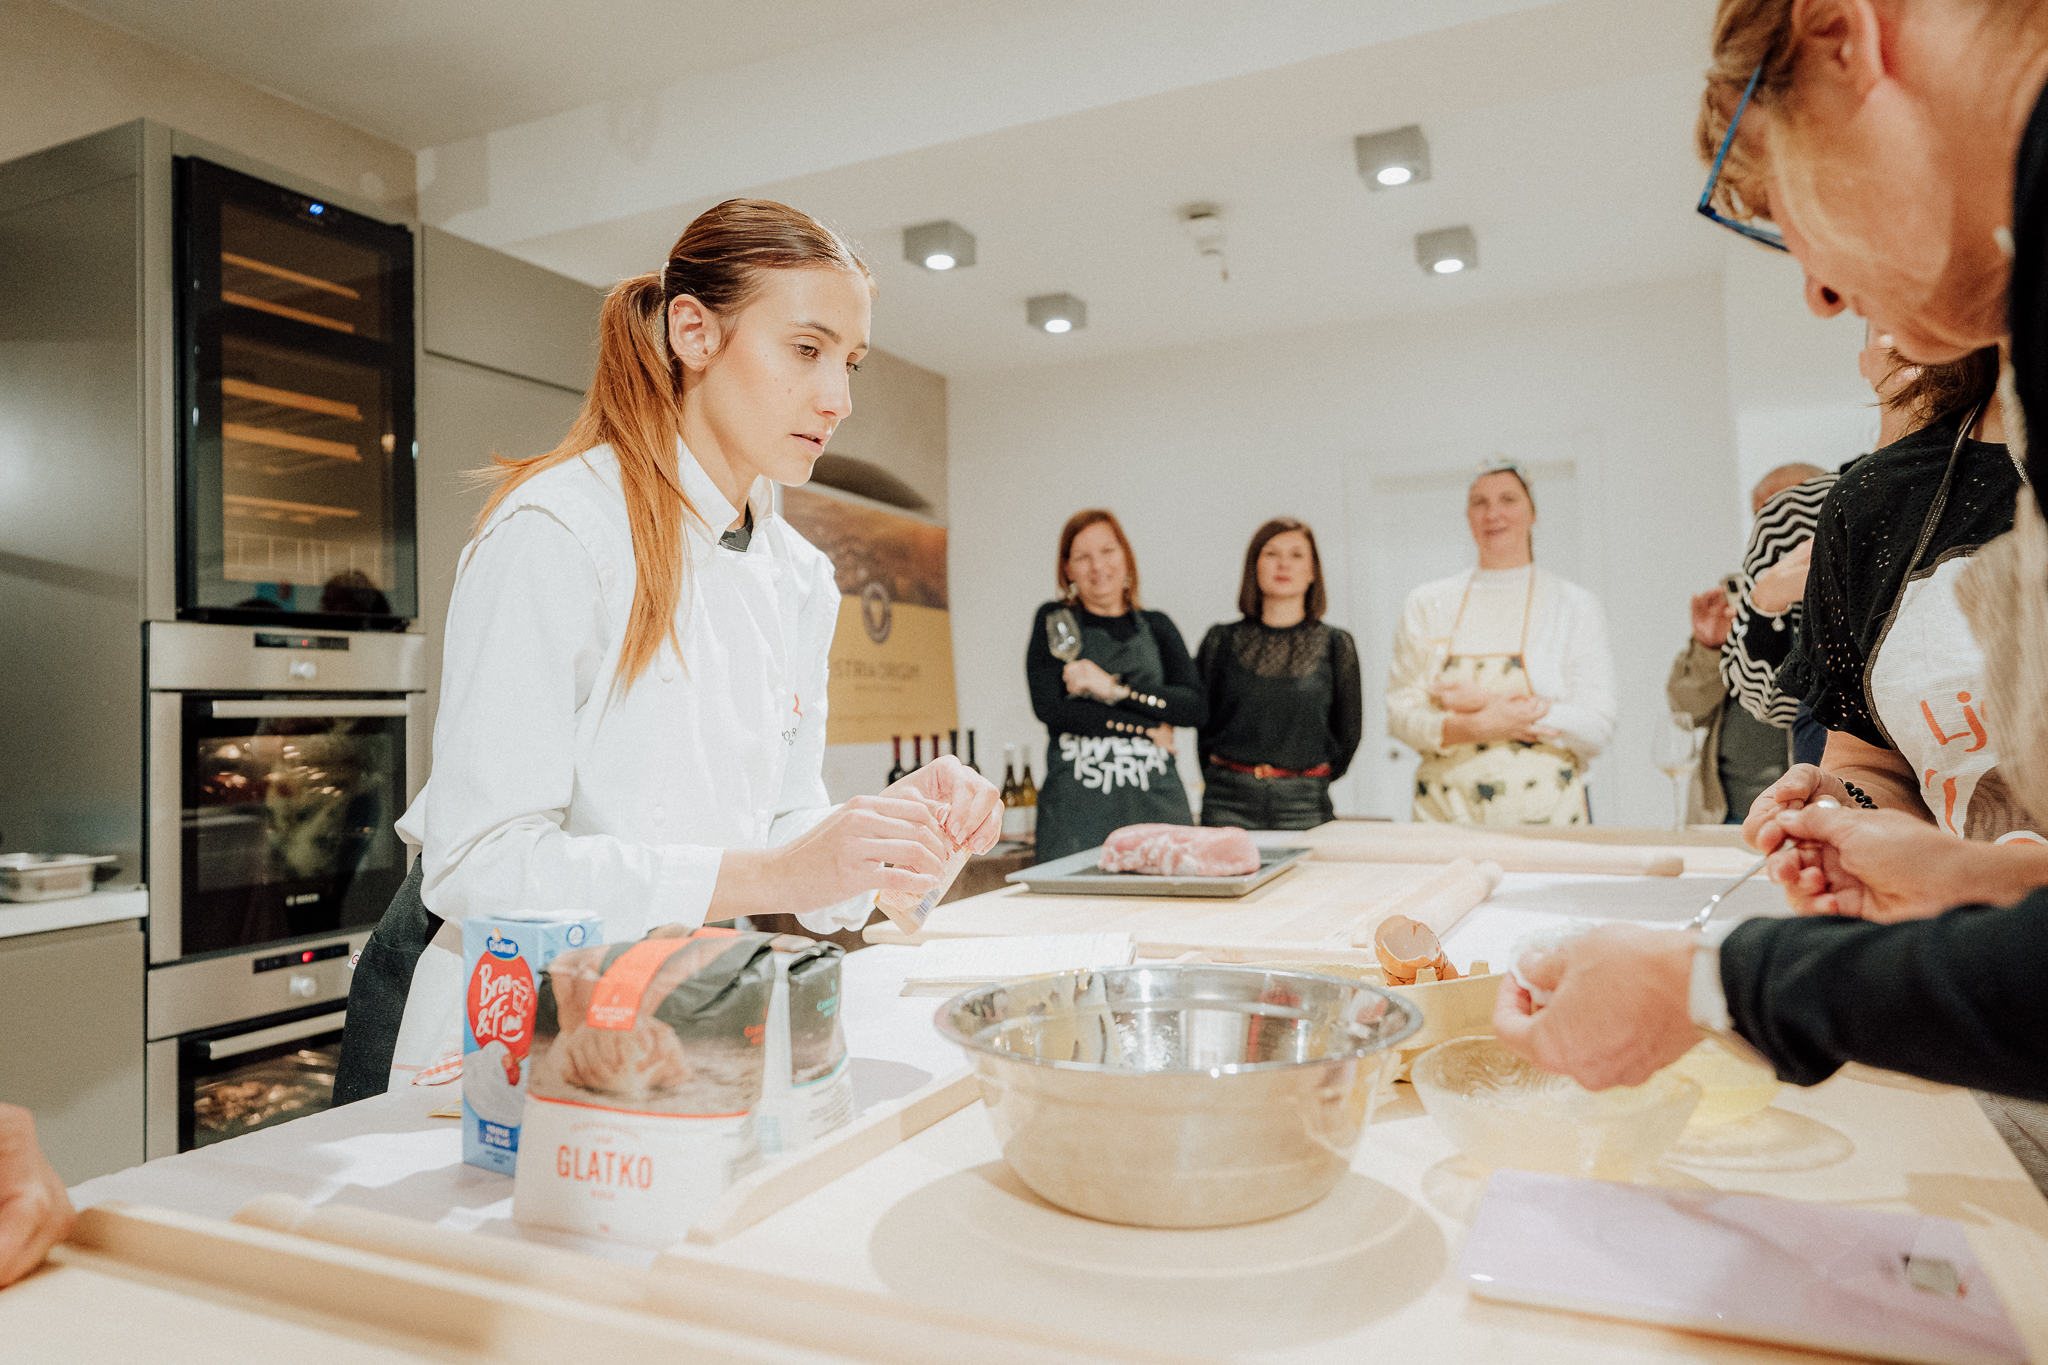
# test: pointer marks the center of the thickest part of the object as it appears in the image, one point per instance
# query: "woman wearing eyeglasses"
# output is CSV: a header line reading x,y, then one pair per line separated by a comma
x,y
1501,677
1902,153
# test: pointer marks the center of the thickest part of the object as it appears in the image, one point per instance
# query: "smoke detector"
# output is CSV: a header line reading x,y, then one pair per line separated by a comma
x,y
1203,224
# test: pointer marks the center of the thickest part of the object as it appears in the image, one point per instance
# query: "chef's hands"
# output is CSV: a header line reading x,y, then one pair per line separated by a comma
x,y
35,1212
1784,583
1713,615
1086,678
891,842
1618,1011
969,808
1885,865
1500,715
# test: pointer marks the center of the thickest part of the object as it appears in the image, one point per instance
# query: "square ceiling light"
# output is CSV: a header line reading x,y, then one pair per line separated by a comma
x,y
938,246
1399,156
1447,251
1056,313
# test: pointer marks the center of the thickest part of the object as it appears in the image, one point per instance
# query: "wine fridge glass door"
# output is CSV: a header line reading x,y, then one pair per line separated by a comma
x,y
295,450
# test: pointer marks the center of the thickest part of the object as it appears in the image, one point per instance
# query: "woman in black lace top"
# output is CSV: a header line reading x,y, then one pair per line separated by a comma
x,y
1285,706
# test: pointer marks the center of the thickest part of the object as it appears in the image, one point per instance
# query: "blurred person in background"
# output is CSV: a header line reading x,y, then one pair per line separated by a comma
x,y
1286,706
1501,676
1742,755
35,1212
1111,712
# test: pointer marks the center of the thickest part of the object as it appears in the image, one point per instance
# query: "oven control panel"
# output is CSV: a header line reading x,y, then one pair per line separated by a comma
x,y
225,988
302,957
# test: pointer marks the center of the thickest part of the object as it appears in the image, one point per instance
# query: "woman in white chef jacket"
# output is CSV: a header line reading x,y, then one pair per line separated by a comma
x,y
632,715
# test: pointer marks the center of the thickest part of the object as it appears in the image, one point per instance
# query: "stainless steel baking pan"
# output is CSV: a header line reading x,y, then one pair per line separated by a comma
x,y
48,876
1078,874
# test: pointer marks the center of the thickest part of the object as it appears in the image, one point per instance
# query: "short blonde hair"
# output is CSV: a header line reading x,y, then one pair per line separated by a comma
x,y
1747,34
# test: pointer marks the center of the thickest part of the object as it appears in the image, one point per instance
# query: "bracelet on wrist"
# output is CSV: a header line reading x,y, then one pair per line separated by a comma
x,y
1858,795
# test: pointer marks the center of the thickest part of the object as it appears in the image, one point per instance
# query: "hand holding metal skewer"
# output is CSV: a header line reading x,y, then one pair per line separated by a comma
x,y
1706,913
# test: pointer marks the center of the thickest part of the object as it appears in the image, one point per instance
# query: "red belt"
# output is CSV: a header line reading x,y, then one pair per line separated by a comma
x,y
1268,770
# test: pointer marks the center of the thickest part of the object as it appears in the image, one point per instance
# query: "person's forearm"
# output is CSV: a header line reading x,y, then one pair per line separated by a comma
x,y
1470,727
1954,999
1888,789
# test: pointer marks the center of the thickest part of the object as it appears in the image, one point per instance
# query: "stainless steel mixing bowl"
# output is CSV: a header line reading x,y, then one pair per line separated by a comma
x,y
1178,1096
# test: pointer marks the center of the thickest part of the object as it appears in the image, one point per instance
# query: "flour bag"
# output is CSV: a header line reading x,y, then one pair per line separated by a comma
x,y
808,1084
649,1060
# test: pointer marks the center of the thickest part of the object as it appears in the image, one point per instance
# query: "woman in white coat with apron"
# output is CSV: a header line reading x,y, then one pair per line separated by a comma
x,y
632,714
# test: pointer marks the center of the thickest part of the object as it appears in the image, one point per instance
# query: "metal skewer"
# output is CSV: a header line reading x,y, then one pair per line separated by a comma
x,y
1706,913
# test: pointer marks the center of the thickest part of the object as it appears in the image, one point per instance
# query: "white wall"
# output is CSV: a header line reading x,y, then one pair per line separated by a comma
x,y
1793,388
1194,447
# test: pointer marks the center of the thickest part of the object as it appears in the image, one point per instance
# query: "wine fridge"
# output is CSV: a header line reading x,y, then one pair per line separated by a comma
x,y
295,383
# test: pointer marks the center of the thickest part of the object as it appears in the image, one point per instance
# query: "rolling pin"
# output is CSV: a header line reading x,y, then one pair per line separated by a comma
x,y
1438,903
839,1323
1512,854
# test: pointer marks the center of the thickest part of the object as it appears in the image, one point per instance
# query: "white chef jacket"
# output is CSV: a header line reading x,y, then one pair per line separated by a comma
x,y
553,791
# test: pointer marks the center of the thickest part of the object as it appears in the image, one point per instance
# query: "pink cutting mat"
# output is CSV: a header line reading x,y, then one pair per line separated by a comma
x,y
1894,1286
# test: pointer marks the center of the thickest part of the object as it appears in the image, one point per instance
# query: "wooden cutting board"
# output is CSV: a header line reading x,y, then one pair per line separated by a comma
x,y
1613,850
1312,910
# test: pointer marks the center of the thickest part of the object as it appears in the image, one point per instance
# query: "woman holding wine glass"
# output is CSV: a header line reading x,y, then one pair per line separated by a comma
x,y
1111,681
1501,677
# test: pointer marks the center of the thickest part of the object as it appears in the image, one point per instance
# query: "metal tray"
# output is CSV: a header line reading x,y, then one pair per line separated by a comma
x,y
1077,874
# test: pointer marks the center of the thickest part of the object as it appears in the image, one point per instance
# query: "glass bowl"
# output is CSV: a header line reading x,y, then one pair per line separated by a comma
x,y
1733,1088
1502,1111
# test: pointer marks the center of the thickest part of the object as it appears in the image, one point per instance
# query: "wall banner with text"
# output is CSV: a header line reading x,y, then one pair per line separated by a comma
x,y
892,655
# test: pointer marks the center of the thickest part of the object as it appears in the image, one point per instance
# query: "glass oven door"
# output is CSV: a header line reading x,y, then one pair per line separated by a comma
x,y
237,1080
296,444
288,808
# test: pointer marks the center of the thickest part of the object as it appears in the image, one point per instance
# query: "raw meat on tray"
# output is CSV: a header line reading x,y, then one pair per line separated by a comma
x,y
1180,851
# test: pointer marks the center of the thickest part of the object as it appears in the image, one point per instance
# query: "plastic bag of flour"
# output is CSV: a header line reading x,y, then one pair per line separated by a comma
x,y
808,1083
648,1063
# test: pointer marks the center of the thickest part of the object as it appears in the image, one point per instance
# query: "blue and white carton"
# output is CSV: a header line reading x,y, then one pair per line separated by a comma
x,y
502,958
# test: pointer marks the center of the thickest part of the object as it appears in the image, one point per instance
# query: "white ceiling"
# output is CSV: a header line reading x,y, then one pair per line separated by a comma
x,y
1064,135
426,72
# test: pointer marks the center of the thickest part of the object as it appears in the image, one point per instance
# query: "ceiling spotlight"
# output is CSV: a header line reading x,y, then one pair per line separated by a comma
x,y
938,246
1399,156
1447,250
1056,313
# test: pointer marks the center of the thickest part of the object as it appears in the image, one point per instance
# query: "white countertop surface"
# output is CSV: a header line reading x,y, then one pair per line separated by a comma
x,y
1367,1273
104,906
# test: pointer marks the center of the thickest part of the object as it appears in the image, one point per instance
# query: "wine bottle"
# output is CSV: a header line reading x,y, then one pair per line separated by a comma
x,y
953,742
935,748
971,761
896,769
1027,797
916,752
1013,811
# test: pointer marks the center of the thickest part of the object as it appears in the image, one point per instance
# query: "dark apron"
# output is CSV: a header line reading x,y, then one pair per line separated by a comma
x,y
376,994
1096,784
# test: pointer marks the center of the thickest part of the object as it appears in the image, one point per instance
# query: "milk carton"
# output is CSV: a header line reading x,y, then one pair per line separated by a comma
x,y
501,957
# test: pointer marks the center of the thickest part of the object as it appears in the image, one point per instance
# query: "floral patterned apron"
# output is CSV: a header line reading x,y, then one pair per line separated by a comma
x,y
1499,781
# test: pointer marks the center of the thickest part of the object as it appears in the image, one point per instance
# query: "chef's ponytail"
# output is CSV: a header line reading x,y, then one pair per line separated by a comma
x,y
635,399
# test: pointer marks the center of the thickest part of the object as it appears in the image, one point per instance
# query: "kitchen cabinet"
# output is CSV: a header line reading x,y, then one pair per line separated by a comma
x,y
71,1022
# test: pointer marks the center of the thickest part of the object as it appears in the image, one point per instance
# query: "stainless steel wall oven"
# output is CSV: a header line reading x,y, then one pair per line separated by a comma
x,y
278,762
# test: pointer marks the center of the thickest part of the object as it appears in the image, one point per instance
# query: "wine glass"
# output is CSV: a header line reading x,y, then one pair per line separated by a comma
x,y
1063,635
1676,747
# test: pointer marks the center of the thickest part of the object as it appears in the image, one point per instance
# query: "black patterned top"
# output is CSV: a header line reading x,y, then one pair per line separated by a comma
x,y
1289,696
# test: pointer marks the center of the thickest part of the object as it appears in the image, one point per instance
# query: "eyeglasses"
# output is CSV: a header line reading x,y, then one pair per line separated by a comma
x,y
1769,237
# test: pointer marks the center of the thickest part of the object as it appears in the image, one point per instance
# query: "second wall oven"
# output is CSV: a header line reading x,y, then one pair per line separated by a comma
x,y
278,764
